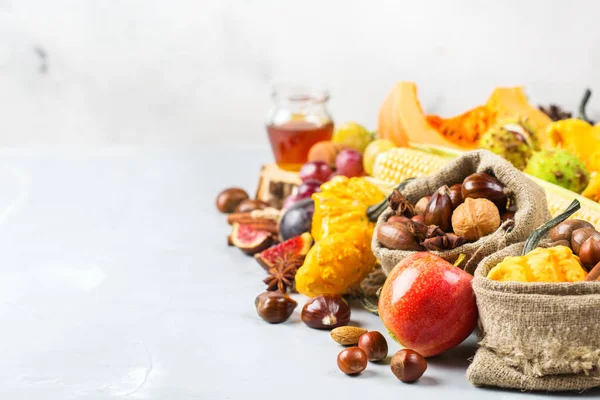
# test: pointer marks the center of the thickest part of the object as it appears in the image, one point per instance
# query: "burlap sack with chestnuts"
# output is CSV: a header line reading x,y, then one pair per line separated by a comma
x,y
532,209
535,336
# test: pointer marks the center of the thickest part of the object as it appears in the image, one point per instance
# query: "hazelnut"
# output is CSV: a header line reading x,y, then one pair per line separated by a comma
x,y
374,345
274,307
475,218
327,311
229,199
352,361
408,365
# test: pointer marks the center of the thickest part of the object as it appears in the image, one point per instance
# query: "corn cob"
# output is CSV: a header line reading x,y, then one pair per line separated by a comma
x,y
399,164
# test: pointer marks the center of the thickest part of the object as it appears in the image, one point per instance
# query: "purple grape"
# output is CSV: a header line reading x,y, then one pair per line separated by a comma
x,y
315,170
349,163
307,188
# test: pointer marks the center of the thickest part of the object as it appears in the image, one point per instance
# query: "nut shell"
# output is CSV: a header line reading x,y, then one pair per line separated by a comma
x,y
374,345
397,236
484,186
456,195
579,237
408,365
475,218
230,198
589,254
249,205
565,229
439,209
326,311
352,361
347,335
274,307
421,205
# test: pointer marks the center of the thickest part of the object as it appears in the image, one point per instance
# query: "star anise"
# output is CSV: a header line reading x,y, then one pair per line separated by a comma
x,y
282,274
400,205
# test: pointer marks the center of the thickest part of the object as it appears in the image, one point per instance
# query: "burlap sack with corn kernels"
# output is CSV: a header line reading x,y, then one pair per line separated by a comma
x,y
530,199
535,336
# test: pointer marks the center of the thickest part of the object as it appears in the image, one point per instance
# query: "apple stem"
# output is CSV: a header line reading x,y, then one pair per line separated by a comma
x,y
460,259
537,235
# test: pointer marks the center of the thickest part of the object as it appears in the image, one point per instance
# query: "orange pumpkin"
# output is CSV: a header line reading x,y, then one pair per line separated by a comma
x,y
401,119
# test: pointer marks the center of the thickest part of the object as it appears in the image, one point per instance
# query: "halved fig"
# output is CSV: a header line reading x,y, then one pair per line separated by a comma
x,y
296,247
250,240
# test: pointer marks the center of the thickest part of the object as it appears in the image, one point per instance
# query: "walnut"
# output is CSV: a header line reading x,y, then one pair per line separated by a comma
x,y
475,218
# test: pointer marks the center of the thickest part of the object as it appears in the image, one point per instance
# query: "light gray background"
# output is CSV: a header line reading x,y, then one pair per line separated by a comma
x,y
196,71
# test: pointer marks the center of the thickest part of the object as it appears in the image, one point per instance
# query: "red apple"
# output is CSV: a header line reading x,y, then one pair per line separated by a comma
x,y
428,304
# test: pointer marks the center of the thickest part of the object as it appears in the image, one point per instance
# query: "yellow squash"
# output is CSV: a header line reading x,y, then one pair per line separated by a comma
x,y
554,264
341,256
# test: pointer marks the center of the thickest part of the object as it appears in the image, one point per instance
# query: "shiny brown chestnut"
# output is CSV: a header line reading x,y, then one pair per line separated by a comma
x,y
249,205
352,361
274,307
484,186
408,365
439,209
589,254
418,218
397,236
229,199
579,237
456,195
565,229
326,311
374,345
398,218
421,205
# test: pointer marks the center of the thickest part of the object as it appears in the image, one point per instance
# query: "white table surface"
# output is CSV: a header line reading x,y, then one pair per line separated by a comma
x,y
116,282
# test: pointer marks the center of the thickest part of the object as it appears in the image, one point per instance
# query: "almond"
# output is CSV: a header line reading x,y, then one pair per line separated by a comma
x,y
347,335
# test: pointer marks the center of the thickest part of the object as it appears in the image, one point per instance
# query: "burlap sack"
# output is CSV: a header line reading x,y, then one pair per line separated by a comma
x,y
532,209
536,336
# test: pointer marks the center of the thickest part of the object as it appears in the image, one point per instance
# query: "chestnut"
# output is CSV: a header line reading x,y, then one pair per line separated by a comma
x,y
230,198
484,186
374,345
249,205
398,218
579,237
439,209
565,229
456,195
352,361
421,205
397,236
408,365
589,254
274,307
418,218
326,311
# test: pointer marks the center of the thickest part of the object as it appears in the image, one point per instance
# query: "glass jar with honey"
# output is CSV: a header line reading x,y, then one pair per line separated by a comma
x,y
298,119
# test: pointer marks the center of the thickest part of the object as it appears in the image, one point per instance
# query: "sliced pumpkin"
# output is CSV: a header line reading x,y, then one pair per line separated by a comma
x,y
512,103
465,129
401,119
